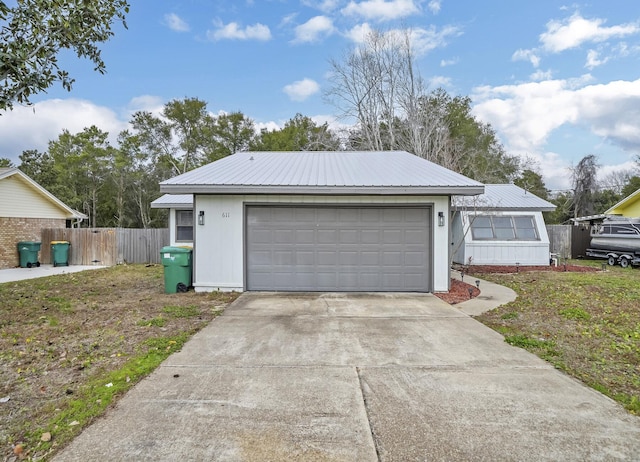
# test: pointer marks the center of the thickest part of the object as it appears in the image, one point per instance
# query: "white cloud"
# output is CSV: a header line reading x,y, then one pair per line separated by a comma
x,y
33,127
526,55
233,31
570,33
301,89
526,114
425,40
148,103
359,32
175,23
381,10
539,75
434,6
439,81
288,19
422,40
449,62
269,126
314,29
593,59
326,6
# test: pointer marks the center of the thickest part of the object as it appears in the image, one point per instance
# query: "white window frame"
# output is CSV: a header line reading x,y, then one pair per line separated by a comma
x,y
180,224
498,231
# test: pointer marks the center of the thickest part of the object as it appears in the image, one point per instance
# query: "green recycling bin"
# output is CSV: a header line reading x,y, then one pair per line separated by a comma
x,y
28,252
60,253
177,268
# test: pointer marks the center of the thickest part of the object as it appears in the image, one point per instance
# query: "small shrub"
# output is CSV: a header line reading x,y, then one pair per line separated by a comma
x,y
523,341
510,315
181,311
575,313
156,322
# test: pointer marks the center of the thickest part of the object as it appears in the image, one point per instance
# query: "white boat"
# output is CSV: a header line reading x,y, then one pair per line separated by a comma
x,y
617,233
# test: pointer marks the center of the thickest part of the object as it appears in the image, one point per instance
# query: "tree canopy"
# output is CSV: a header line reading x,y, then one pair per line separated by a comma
x,y
378,85
33,32
300,133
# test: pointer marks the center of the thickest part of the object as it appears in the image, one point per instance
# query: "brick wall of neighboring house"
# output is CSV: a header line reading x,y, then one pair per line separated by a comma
x,y
14,230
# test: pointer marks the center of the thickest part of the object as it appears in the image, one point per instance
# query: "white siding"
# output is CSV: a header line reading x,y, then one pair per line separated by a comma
x,y
219,243
19,200
533,253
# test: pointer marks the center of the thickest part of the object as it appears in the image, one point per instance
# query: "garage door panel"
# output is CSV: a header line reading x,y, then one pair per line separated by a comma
x,y
348,236
392,215
370,215
327,236
283,257
370,258
304,236
327,280
391,258
414,236
370,236
414,259
348,258
345,248
327,258
392,236
283,236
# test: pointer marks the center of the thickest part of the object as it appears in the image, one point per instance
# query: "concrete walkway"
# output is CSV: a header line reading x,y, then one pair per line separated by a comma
x,y
359,377
491,296
19,274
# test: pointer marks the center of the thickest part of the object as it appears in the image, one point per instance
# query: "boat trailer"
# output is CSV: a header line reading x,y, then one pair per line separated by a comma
x,y
616,257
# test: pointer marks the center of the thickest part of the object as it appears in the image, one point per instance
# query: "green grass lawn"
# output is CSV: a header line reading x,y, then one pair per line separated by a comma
x,y
586,324
72,344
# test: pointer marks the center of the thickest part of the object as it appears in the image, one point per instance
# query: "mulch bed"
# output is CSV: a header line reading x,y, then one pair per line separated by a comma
x,y
480,269
458,293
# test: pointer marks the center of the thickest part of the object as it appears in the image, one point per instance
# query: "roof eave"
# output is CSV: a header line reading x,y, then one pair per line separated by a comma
x,y
324,190
463,208
175,205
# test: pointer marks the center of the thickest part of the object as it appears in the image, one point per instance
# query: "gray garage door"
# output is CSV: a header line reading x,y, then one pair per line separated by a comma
x,y
338,248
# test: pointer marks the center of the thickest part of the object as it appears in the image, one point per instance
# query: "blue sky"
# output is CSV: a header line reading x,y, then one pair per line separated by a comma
x,y
557,81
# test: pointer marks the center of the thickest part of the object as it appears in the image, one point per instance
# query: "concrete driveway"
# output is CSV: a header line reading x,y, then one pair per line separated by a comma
x,y
20,274
335,377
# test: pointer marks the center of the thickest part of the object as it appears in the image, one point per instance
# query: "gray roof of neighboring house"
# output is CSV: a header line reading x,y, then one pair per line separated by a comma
x,y
503,197
343,172
173,201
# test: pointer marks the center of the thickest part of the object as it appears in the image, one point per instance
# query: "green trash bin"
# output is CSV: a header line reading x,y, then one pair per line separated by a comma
x,y
28,252
177,268
60,253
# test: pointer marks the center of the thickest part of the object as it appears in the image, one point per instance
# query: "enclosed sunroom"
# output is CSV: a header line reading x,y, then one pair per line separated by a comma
x,y
503,226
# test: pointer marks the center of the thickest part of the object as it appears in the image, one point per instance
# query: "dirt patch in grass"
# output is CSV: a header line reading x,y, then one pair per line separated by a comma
x,y
586,323
71,344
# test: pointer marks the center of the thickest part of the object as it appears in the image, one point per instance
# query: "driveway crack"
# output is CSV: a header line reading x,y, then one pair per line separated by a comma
x,y
366,410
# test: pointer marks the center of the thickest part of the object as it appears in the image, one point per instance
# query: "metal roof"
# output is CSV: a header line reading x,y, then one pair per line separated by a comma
x,y
325,172
173,201
504,197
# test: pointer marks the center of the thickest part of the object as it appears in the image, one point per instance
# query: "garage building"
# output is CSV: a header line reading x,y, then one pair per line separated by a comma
x,y
321,221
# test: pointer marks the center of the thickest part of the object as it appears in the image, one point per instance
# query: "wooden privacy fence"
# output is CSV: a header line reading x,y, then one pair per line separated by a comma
x,y
568,240
106,246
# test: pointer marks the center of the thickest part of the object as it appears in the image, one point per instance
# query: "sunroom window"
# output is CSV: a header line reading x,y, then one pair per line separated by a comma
x,y
184,225
504,228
